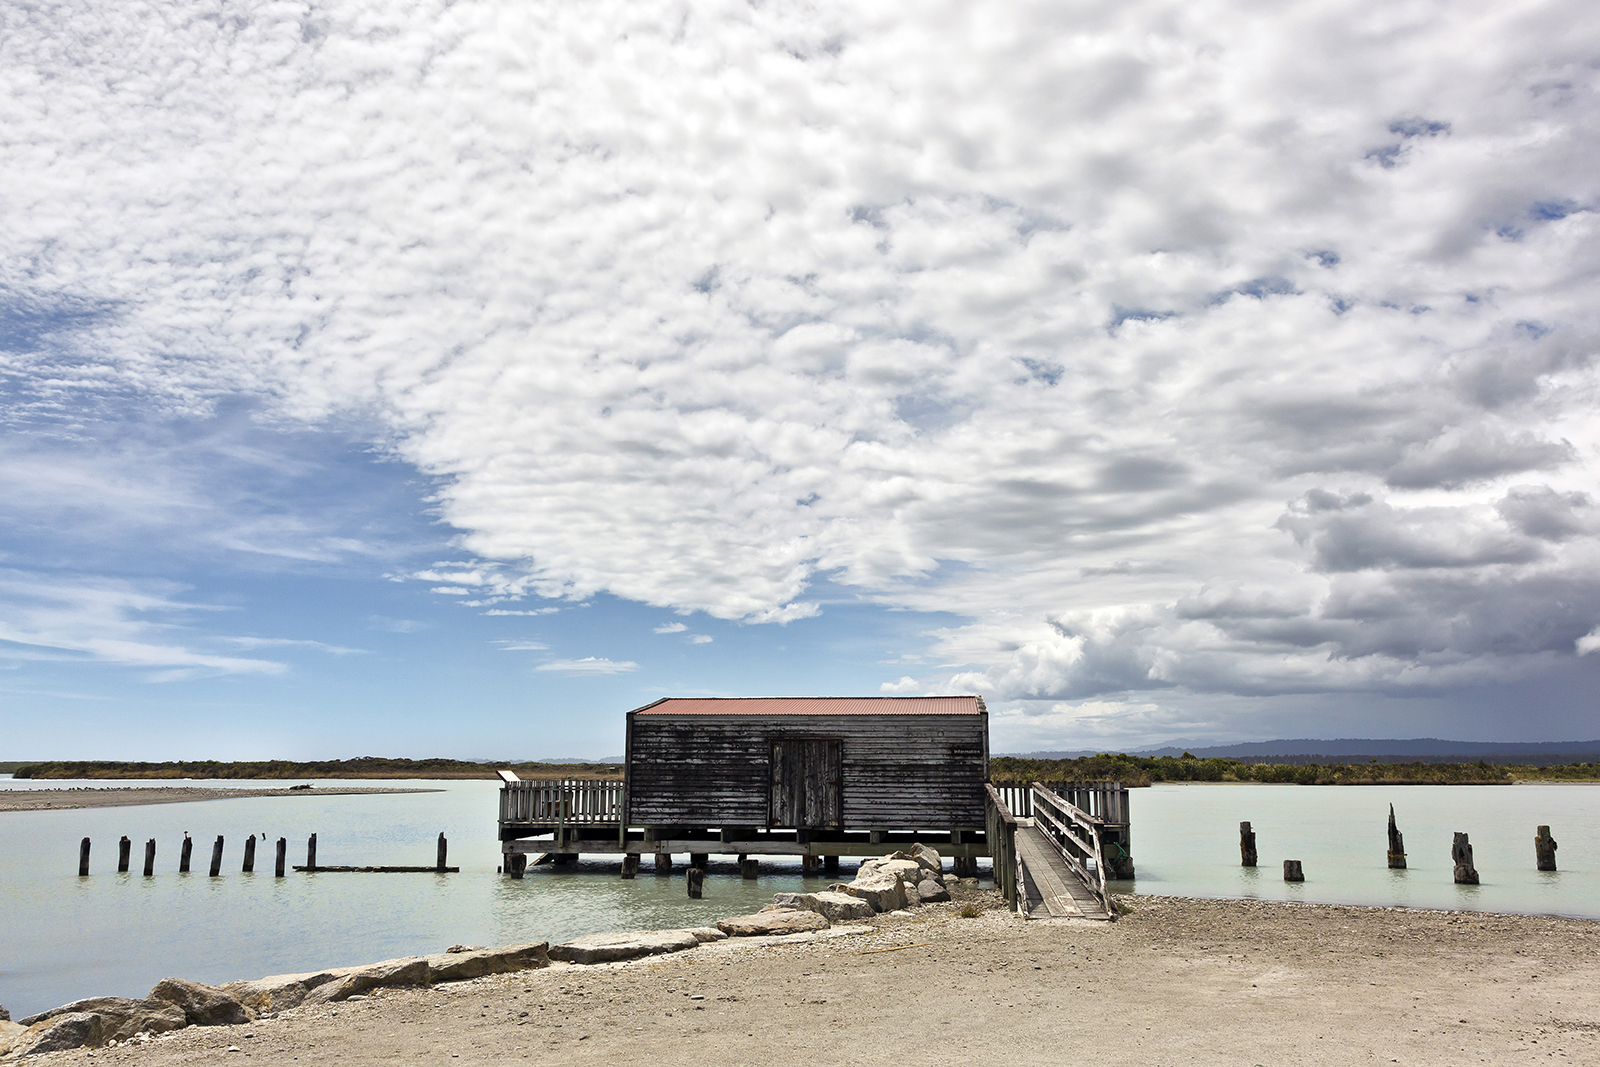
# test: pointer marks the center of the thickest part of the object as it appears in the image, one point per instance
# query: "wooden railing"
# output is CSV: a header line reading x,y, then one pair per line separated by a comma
x,y
561,802
1018,799
1076,835
1001,830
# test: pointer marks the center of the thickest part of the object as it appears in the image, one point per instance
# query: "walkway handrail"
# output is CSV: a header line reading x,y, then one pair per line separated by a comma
x,y
1076,836
1000,828
561,802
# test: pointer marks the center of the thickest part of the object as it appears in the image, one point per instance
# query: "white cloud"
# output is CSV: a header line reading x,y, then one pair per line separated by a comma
x,y
700,639
671,628
906,684
1035,314
588,665
522,646
536,611
1589,642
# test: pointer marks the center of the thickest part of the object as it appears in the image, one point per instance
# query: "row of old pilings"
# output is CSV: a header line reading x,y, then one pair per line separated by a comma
x,y
185,855
1544,850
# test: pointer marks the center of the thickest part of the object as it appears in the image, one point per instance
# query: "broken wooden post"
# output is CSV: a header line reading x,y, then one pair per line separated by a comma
x,y
183,854
810,865
444,849
1544,849
1247,845
749,869
696,878
1461,853
311,853
630,865
663,863
249,855
124,847
150,858
1397,845
216,857
83,859
282,855
1292,871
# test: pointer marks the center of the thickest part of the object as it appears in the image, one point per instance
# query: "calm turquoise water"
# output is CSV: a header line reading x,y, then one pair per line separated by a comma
x,y
62,937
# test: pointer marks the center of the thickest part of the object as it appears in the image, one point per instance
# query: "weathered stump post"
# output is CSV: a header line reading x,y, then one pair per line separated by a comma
x,y
1544,850
516,864
83,859
183,854
1247,845
810,865
249,855
1461,853
150,858
444,851
124,847
311,853
1397,845
663,863
696,878
749,869
630,865
216,857
281,856
1292,871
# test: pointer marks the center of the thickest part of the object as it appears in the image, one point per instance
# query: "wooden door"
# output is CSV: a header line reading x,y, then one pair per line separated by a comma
x,y
806,783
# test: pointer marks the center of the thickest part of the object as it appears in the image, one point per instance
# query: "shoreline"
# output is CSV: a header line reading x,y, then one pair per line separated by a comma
x,y
76,797
1174,980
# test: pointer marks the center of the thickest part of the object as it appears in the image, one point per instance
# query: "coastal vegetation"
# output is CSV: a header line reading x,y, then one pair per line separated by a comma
x,y
1146,770
360,767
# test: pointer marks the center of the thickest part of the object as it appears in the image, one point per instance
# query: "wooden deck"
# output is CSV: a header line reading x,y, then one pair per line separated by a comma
x,y
1053,862
1048,889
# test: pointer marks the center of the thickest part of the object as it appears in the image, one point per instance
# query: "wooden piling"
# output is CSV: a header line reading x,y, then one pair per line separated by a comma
x,y
699,859
630,865
124,848
311,853
749,868
183,855
1247,845
1544,850
249,855
830,864
663,863
83,859
516,864
444,850
810,866
1292,871
150,858
216,858
697,878
282,854
1461,853
1397,845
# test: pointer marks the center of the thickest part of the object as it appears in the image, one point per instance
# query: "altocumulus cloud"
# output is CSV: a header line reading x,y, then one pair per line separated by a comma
x,y
1178,349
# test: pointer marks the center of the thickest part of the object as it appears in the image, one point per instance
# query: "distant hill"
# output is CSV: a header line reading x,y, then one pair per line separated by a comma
x,y
1366,749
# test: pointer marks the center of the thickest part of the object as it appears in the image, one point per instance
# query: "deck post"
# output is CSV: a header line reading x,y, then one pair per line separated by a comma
x,y
1247,845
1397,845
83,858
1461,853
699,859
1292,871
663,865
810,865
516,864
281,856
696,881
1544,850
216,857
183,855
749,869
249,855
123,848
830,864
630,865
150,858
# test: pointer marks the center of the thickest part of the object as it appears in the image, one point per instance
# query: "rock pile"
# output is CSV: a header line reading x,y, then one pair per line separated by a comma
x,y
901,879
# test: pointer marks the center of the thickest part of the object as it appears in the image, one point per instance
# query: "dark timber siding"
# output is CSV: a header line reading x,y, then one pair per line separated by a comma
x,y
899,771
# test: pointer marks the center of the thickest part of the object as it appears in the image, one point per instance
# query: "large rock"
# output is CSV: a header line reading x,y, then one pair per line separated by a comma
x,y
453,966
885,892
932,892
705,934
608,948
75,1029
835,907
406,971
10,1033
280,992
204,1005
928,858
781,921
120,1017
909,869
5,1016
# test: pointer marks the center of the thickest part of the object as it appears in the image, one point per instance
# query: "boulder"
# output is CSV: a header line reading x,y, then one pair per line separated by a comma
x,y
10,1032
885,892
120,1017
452,966
782,921
75,1029
707,933
608,948
950,879
909,869
928,858
279,992
5,1016
835,907
406,971
204,1005
932,892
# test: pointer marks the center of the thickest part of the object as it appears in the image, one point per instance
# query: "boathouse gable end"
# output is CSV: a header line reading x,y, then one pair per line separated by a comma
x,y
864,763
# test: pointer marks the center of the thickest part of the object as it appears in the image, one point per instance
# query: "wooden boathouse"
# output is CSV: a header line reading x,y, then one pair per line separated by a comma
x,y
820,778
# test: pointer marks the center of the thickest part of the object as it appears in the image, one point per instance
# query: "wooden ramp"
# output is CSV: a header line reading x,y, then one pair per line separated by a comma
x,y
1051,889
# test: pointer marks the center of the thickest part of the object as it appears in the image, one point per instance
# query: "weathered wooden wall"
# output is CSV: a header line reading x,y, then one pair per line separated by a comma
x,y
899,771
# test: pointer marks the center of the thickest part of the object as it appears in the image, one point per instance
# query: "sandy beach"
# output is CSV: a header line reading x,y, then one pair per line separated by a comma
x,y
1176,981
129,796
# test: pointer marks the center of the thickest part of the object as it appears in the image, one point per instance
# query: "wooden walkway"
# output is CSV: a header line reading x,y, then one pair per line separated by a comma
x,y
1051,890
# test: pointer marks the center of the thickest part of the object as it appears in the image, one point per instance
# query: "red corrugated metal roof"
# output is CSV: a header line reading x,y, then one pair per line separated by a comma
x,y
814,706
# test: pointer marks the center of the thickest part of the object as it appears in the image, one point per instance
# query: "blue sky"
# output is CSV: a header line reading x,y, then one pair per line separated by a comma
x,y
448,378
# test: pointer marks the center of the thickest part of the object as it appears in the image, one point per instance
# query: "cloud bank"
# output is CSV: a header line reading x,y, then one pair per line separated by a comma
x,y
1179,350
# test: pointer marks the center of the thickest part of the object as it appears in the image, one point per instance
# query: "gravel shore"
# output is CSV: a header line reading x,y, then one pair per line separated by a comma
x,y
1176,981
129,796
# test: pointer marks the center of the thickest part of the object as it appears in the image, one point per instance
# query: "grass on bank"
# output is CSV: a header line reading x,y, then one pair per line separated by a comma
x,y
1146,770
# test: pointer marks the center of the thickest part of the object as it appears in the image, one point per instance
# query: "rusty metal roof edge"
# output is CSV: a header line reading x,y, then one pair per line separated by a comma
x,y
662,706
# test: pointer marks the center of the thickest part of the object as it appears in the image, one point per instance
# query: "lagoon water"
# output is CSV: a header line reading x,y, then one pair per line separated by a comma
x,y
64,937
